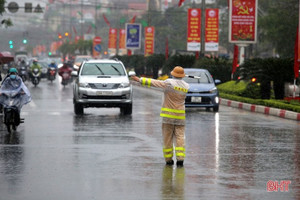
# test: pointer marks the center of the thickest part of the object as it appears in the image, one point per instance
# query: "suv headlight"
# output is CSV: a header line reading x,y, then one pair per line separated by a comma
x,y
84,85
213,90
124,85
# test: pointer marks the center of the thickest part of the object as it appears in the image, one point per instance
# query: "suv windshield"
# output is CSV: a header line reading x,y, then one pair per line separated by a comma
x,y
204,77
100,69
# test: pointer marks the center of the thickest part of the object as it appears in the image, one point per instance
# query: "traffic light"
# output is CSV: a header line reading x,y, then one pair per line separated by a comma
x,y
24,41
66,34
49,53
59,36
253,80
11,44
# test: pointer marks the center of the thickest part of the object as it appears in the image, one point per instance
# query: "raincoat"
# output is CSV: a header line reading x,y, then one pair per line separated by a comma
x,y
173,107
14,93
173,114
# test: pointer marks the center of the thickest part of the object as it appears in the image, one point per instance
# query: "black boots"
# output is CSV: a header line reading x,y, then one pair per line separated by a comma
x,y
179,163
170,162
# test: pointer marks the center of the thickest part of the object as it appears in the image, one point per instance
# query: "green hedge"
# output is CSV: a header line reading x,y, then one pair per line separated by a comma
x,y
270,103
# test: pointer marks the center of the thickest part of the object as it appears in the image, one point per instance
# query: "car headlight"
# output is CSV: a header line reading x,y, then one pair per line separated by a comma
x,y
217,99
84,85
124,85
214,90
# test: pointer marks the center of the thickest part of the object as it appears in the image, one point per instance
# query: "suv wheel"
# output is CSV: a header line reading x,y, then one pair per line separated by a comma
x,y
78,109
216,108
126,110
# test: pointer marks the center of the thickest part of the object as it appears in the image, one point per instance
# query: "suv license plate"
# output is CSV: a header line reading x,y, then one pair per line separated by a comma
x,y
102,93
196,99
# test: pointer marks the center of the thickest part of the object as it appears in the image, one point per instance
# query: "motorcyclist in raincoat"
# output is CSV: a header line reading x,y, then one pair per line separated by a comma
x,y
172,112
13,92
35,65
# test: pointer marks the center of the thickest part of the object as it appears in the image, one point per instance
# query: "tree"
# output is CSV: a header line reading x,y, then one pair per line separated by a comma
x,y
6,22
279,24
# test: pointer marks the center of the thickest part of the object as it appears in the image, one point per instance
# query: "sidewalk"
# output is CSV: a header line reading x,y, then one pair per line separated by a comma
x,y
261,109
253,108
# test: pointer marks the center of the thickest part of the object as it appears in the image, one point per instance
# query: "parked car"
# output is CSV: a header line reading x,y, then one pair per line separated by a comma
x,y
203,91
102,83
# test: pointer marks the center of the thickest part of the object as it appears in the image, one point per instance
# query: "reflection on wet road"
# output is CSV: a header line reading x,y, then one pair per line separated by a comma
x,y
104,155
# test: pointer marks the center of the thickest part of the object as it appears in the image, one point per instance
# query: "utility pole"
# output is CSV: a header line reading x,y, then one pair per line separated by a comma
x,y
203,28
81,20
96,8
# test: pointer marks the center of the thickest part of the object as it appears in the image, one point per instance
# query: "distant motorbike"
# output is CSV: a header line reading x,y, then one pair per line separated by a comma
x,y
35,77
11,113
23,73
66,78
51,74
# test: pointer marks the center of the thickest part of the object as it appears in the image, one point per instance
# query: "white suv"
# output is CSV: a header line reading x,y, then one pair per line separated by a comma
x,y
102,83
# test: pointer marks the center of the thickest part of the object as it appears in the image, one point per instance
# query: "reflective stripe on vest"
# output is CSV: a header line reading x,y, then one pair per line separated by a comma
x,y
172,116
172,111
148,81
180,89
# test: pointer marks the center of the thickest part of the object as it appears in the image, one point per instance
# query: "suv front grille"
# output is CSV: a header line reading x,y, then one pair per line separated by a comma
x,y
84,96
104,85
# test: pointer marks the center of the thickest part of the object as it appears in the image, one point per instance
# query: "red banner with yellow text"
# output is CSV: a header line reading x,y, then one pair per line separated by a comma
x,y
112,41
149,40
212,30
194,29
122,42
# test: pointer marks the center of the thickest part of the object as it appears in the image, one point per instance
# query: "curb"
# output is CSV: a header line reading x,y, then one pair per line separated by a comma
x,y
261,109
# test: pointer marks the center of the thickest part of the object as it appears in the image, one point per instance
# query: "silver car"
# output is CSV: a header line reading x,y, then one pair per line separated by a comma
x,y
102,83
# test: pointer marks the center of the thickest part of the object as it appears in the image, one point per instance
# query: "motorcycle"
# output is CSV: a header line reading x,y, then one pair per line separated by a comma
x,y
35,77
23,73
11,112
66,77
13,96
51,73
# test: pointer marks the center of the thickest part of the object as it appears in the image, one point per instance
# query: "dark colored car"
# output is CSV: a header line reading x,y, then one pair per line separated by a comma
x,y
203,91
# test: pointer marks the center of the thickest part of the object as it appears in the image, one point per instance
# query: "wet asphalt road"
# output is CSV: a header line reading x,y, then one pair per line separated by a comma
x,y
56,155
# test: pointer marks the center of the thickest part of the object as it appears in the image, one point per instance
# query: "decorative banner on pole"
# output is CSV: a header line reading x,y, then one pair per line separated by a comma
x,y
149,40
298,32
122,42
235,60
243,21
112,41
194,30
133,36
106,20
167,49
212,30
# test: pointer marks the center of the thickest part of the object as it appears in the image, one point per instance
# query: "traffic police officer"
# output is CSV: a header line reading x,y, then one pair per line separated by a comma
x,y
172,112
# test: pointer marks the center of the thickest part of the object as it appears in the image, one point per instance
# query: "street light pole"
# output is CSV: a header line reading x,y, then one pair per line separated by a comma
x,y
203,28
81,20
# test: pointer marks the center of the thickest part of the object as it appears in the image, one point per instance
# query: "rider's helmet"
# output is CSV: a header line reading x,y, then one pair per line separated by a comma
x,y
34,61
52,62
13,71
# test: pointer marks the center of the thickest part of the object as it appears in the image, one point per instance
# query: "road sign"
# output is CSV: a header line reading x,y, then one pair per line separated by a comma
x,y
98,48
28,7
97,40
13,7
38,9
